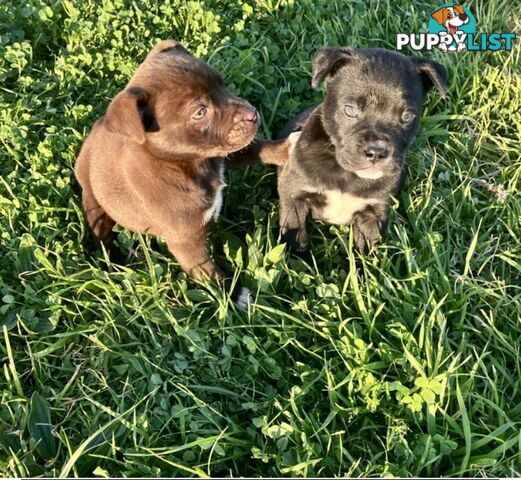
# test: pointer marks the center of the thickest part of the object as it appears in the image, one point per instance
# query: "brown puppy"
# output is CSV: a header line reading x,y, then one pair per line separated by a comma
x,y
154,163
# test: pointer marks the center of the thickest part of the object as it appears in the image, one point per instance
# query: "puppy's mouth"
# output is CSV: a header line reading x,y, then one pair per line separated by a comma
x,y
242,133
371,172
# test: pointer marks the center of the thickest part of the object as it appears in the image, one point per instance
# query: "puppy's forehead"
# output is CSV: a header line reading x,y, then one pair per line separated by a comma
x,y
379,77
185,64
170,70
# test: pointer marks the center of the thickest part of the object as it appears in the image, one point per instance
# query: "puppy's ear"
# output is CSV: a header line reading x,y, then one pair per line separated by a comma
x,y
440,16
128,114
327,61
167,46
433,74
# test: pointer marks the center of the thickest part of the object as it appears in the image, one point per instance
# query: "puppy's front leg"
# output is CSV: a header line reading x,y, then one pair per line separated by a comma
x,y
293,213
271,152
191,252
369,225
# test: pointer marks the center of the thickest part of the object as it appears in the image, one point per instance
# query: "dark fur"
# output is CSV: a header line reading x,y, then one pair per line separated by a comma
x,y
361,159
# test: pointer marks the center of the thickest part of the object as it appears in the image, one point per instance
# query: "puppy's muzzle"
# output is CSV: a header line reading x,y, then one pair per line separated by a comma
x,y
245,124
247,116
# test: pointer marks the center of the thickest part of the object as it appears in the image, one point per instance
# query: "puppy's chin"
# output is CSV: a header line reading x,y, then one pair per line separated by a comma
x,y
234,146
371,173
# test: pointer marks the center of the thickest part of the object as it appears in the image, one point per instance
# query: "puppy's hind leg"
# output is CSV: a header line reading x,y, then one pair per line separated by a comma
x,y
99,221
100,224
293,213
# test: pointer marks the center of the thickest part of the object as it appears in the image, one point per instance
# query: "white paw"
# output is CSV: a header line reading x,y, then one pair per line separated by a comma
x,y
293,137
244,299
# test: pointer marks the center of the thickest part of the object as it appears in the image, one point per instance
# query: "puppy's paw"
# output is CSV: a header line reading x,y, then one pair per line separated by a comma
x,y
296,239
290,143
292,140
244,299
366,240
278,152
240,295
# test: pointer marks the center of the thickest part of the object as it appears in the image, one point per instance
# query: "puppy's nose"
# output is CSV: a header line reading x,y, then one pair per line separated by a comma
x,y
376,151
463,16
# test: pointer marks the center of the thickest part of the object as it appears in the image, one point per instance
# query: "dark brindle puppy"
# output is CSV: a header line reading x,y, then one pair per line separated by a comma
x,y
351,155
154,162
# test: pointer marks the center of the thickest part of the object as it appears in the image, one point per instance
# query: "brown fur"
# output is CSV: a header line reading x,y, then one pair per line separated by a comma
x,y
153,167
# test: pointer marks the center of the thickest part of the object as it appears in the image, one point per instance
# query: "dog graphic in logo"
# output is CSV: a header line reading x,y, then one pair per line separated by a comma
x,y
452,28
451,18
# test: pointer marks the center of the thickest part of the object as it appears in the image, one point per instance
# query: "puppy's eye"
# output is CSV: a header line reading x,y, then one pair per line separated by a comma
x,y
351,111
201,113
407,117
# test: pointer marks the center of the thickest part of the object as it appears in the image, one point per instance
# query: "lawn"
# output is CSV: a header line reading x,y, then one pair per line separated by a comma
x,y
403,362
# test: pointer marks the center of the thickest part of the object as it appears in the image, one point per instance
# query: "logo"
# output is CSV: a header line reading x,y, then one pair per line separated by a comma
x,y
452,28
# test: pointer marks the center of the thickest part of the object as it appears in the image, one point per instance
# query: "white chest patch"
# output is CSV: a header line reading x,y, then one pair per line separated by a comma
x,y
213,212
340,207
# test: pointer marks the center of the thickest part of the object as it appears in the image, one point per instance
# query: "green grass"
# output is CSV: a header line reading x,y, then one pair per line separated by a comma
x,y
405,362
